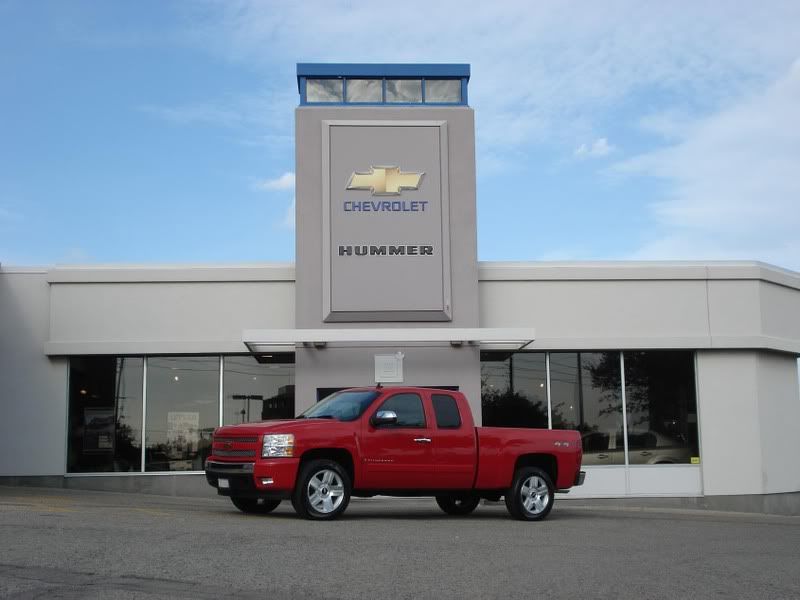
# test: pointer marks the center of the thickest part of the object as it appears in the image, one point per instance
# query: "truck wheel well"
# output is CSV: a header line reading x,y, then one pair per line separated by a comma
x,y
546,462
339,455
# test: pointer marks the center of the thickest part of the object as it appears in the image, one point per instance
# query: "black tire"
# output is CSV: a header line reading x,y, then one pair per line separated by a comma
x,y
255,506
531,495
458,505
322,491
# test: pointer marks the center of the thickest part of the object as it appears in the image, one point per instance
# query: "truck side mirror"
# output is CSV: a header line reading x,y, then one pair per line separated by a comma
x,y
384,417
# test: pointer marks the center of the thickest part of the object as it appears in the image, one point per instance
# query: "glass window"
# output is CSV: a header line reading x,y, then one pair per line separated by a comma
x,y
408,408
403,90
586,395
323,90
446,411
514,389
661,407
105,414
364,90
342,405
442,90
182,412
253,391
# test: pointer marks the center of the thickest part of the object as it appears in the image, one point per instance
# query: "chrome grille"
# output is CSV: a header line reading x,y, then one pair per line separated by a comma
x,y
220,452
236,440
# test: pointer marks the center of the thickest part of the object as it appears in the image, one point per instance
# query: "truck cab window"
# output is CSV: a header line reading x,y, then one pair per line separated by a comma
x,y
446,410
408,408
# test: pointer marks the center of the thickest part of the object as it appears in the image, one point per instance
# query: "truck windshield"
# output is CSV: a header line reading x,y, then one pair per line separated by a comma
x,y
343,406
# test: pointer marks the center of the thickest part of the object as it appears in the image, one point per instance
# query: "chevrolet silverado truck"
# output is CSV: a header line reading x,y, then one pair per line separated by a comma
x,y
398,441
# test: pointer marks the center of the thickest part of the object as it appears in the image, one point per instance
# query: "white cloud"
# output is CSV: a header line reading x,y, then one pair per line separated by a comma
x,y
734,188
288,218
284,182
541,71
600,147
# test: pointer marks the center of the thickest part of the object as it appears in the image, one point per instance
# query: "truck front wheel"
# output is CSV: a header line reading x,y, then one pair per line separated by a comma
x,y
322,491
458,505
531,495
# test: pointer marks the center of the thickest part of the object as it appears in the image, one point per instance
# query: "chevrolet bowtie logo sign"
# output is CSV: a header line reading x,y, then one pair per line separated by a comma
x,y
384,181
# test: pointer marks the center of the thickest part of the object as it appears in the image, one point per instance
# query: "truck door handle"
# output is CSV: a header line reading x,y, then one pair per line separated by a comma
x,y
646,453
423,440
602,456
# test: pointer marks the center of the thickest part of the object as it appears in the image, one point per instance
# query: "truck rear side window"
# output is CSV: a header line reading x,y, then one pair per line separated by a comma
x,y
446,410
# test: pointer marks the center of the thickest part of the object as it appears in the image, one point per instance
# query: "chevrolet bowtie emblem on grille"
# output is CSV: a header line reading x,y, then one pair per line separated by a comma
x,y
384,181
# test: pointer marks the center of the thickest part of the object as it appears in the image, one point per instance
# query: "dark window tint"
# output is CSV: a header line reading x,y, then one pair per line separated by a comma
x,y
105,414
595,442
408,408
256,392
446,409
182,411
514,389
661,406
344,405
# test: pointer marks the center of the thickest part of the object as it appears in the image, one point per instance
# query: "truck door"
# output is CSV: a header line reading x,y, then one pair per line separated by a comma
x,y
398,456
454,444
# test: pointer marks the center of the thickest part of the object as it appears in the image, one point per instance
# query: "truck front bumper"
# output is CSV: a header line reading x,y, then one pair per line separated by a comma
x,y
263,479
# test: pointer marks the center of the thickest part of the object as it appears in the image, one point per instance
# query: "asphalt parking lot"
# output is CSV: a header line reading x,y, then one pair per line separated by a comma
x,y
78,544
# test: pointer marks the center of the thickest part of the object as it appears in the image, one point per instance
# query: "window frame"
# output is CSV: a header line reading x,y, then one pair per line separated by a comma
x,y
398,425
434,396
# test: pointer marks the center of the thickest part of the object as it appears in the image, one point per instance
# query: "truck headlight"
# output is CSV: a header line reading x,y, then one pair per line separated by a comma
x,y
278,444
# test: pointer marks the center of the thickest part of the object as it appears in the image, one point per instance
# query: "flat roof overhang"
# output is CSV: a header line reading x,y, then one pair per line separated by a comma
x,y
259,341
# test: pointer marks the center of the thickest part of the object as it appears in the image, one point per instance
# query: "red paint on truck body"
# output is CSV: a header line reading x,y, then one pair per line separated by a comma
x,y
393,459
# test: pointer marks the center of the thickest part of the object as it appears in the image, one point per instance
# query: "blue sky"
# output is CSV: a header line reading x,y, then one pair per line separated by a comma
x,y
140,132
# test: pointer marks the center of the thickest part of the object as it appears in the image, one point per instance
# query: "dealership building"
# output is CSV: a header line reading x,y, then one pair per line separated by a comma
x,y
682,377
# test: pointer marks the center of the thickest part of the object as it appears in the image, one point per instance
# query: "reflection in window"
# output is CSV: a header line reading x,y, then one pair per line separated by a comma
x,y
408,408
105,414
256,392
586,395
323,90
514,389
404,90
446,411
364,90
182,412
442,90
661,407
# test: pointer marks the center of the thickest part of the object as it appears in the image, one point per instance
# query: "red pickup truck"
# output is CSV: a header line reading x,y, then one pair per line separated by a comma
x,y
399,441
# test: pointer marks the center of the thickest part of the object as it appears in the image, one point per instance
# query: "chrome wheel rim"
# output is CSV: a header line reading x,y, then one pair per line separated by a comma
x,y
325,491
534,494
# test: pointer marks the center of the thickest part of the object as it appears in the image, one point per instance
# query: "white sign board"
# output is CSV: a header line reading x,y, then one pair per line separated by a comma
x,y
389,368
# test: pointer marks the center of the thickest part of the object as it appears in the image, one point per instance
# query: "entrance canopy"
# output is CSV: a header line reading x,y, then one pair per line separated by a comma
x,y
271,340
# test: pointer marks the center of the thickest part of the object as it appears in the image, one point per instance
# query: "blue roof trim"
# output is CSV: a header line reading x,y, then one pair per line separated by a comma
x,y
381,70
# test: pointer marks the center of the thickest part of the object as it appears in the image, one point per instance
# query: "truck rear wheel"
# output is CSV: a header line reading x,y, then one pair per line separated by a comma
x,y
458,504
322,490
531,495
254,505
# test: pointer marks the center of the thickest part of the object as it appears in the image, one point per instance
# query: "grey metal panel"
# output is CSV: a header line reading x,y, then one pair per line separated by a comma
x,y
171,273
309,190
778,419
727,402
33,388
376,288
636,270
578,310
168,317
345,367
780,311
342,366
